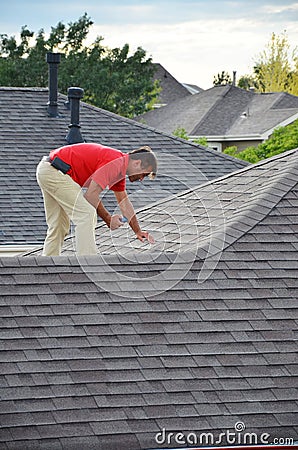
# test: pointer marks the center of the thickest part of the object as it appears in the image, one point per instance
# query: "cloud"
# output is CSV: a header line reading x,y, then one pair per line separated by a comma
x,y
278,9
193,39
197,50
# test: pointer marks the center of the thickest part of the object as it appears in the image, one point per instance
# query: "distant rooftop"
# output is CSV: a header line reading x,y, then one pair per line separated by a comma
x,y
225,111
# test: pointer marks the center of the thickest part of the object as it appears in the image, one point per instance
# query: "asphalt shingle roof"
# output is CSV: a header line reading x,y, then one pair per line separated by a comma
x,y
106,352
27,133
217,112
171,89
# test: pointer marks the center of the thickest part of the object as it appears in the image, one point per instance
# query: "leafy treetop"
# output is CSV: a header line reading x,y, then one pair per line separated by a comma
x,y
111,78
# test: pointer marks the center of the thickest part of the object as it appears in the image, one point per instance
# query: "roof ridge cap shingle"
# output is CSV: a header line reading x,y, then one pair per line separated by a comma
x,y
277,96
223,177
210,110
245,213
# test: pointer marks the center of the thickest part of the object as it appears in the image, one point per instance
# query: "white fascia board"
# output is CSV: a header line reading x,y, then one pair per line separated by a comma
x,y
244,137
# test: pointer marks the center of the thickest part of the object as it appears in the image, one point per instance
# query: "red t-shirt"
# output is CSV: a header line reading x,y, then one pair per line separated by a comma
x,y
89,161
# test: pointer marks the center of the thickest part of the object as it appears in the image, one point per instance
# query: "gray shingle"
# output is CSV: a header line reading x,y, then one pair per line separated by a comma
x,y
96,367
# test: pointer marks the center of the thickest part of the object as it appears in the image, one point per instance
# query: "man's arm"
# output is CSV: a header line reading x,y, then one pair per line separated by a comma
x,y
92,196
129,212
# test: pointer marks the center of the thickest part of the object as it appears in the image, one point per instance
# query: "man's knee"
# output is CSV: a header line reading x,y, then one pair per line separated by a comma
x,y
88,216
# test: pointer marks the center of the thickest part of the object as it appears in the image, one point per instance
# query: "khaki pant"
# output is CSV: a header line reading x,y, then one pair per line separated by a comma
x,y
64,202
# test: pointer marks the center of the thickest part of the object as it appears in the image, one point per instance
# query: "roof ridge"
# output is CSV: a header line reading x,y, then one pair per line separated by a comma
x,y
277,96
257,222
223,177
244,93
210,110
245,213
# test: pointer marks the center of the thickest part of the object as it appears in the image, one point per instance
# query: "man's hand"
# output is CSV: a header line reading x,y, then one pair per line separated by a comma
x,y
141,235
116,222
128,212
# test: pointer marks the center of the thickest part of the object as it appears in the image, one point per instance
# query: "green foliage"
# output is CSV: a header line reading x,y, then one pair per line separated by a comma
x,y
249,154
232,151
111,78
248,81
277,67
281,140
222,78
181,132
201,141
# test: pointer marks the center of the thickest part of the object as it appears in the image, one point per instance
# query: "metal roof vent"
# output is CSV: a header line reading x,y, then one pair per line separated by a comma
x,y
74,135
53,59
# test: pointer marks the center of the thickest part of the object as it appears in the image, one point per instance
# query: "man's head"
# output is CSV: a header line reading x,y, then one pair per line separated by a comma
x,y
142,163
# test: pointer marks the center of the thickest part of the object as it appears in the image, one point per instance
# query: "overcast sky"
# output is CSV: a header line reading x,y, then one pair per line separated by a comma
x,y
192,39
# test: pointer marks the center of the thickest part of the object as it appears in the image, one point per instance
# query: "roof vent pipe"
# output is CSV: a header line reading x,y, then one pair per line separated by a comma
x,y
74,135
234,78
53,59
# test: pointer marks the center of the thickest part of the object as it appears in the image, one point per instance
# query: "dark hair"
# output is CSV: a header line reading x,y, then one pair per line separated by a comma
x,y
148,158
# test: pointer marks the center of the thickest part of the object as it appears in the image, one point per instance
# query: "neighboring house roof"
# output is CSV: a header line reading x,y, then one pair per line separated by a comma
x,y
108,352
226,111
27,133
171,89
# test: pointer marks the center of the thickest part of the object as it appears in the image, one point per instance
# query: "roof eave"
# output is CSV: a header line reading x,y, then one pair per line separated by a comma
x,y
244,137
284,123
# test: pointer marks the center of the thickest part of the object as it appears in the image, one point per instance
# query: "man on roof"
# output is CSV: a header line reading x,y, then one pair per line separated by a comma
x,y
67,170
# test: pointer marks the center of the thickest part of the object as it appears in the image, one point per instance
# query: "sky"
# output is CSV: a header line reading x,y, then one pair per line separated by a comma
x,y
193,39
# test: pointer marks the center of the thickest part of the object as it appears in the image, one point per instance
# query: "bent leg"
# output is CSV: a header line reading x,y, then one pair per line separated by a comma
x,y
84,218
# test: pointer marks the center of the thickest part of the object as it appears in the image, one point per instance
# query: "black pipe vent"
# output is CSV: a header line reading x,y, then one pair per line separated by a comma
x,y
53,59
74,135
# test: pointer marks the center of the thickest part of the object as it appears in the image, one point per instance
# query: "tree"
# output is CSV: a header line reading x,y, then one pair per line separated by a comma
x,y
111,78
181,132
248,81
222,78
281,140
277,67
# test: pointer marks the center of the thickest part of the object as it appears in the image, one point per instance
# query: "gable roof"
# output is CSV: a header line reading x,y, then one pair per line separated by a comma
x,y
27,133
225,111
109,352
171,89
